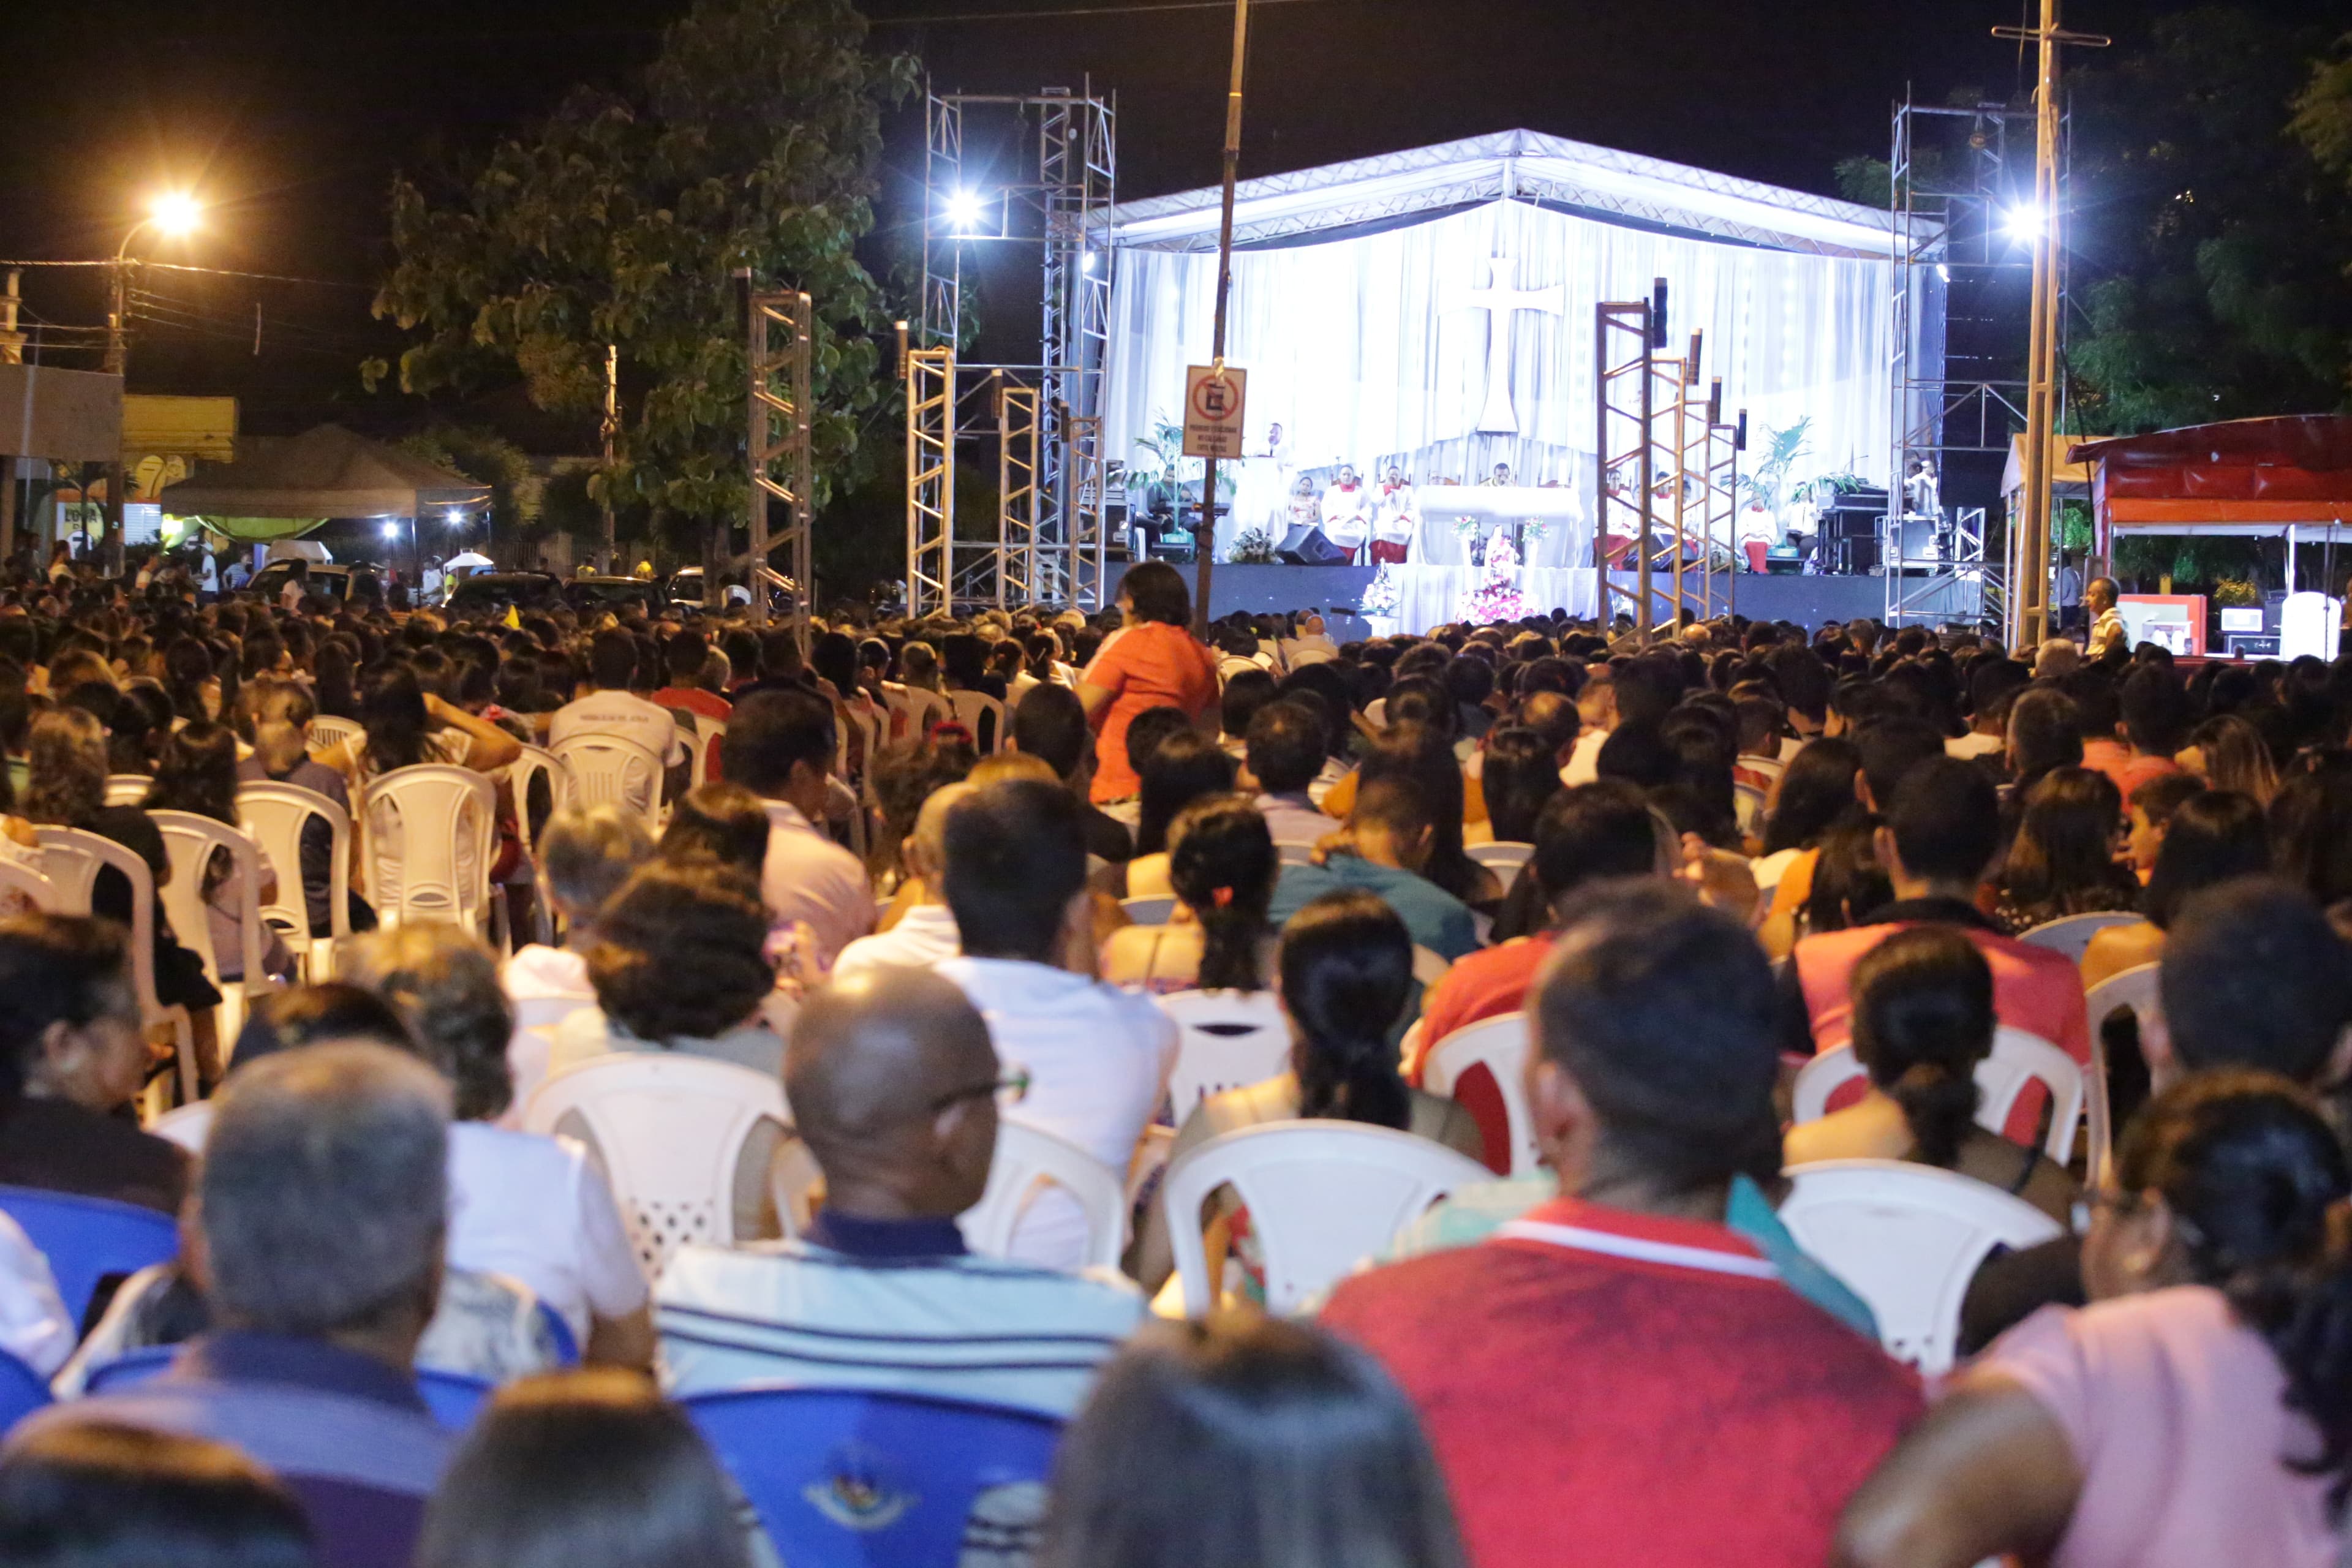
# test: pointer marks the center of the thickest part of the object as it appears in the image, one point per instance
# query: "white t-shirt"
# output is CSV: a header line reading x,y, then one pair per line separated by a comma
x,y
619,713
533,1208
1097,1060
34,1327
924,935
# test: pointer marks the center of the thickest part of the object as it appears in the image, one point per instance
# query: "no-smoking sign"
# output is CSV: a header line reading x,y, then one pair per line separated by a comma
x,y
1212,411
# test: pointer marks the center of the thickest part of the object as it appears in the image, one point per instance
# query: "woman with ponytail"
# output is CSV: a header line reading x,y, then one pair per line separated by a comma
x,y
1346,973
2199,1411
1222,865
1923,1019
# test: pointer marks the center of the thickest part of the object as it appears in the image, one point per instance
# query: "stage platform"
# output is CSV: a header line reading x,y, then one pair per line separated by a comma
x,y
1336,590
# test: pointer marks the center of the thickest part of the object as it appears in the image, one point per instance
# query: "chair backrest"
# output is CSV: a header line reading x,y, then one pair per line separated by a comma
x,y
1025,1160
842,1479
2136,989
22,1391
1907,1240
1225,1040
435,804
24,889
670,1130
1503,854
1149,912
275,814
73,858
710,738
1429,966
1501,1046
982,714
86,1239
128,789
1293,853
326,733
535,763
452,1397
2073,933
1322,1197
2018,1059
613,768
190,839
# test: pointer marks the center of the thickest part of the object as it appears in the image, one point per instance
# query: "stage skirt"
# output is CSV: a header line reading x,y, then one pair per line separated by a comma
x,y
1426,595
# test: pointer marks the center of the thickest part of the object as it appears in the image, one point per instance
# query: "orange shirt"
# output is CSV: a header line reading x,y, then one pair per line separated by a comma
x,y
1148,664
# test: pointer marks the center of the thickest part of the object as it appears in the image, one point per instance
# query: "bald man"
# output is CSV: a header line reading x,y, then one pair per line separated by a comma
x,y
927,932
895,1087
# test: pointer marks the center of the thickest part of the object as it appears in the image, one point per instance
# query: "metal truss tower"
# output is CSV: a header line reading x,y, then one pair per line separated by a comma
x,y
1959,348
1669,472
782,461
1047,181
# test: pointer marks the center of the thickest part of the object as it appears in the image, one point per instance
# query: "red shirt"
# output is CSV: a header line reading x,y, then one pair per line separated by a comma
x,y
1480,986
709,704
1609,1388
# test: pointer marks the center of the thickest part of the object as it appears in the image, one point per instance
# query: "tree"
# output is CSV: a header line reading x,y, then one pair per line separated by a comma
x,y
486,458
752,141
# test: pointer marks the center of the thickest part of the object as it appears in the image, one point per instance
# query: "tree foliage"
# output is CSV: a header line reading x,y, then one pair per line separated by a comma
x,y
752,140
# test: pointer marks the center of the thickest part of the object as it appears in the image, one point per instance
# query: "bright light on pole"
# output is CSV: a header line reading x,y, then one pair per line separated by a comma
x,y
175,214
964,211
2024,221
392,530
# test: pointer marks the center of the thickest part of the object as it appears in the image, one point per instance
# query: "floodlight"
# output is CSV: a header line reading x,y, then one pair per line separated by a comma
x,y
455,516
176,212
392,530
963,210
2024,221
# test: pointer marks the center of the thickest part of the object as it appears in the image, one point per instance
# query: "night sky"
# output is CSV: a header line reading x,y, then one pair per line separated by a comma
x,y
290,117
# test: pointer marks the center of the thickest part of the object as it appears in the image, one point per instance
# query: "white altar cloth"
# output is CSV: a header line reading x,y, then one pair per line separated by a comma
x,y
1427,595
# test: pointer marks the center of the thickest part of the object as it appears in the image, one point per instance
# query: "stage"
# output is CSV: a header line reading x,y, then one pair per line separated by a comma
x,y
1336,590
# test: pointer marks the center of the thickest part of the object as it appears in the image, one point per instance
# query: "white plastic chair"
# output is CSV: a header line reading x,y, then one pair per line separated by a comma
x,y
1499,1045
1503,857
969,708
709,739
73,859
614,768
128,789
437,805
2072,934
1149,912
1026,1159
2135,988
1429,967
190,840
324,733
24,891
1226,1039
1907,1238
1748,806
669,1129
275,814
1322,1197
535,763
1293,853
2018,1059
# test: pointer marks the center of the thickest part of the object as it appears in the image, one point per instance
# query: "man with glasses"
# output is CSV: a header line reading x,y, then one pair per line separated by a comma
x,y
896,1089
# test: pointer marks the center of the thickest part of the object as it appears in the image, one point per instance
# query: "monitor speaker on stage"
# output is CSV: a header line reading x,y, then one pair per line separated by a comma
x,y
1306,545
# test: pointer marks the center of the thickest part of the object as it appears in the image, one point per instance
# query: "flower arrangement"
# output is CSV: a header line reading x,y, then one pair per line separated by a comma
x,y
1253,547
1496,596
1381,598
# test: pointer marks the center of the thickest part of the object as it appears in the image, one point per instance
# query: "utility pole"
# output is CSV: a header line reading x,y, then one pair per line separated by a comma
x,y
611,431
2029,595
1204,532
12,351
118,356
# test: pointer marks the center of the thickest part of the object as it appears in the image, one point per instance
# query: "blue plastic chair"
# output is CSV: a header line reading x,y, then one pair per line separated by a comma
x,y
567,1349
22,1391
452,1397
848,1478
86,1239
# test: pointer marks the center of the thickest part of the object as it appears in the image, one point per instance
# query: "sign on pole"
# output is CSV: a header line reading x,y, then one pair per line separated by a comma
x,y
1212,410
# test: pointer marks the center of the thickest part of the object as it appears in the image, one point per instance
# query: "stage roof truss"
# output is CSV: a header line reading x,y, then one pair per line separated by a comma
x,y
1509,165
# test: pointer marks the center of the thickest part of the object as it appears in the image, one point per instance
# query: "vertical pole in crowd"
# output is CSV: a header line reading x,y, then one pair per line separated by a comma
x,y
1204,532
611,430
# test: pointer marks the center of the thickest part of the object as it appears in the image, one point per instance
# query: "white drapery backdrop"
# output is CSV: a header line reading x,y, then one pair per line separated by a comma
x,y
1362,350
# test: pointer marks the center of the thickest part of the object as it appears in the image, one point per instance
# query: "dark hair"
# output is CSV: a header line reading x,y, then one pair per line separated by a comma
x,y
392,712
2045,730
2253,976
721,822
1185,767
1888,749
1158,593
100,1494
613,659
198,773
1945,817
1347,973
583,1469
1221,863
1147,729
1313,1456
322,1010
1816,789
1287,746
2155,711
2209,838
769,731
1662,1012
54,969
1520,777
1593,833
1016,857
1246,691
2311,828
1420,755
2254,1178
1049,722
67,756
1923,1019
680,952
1802,678
2061,861
1849,883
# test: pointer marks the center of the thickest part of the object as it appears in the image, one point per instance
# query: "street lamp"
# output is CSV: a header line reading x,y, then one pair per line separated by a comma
x,y
175,214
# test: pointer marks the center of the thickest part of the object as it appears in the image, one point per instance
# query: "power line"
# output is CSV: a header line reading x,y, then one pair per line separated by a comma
x,y
1135,10
212,271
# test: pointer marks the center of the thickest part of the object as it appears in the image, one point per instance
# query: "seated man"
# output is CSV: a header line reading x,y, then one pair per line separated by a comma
x,y
1389,835
927,932
1621,1369
1286,749
894,1085
779,746
1096,1057
317,1238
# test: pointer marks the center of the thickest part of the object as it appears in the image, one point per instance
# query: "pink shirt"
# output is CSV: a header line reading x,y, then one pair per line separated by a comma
x,y
2175,1411
808,877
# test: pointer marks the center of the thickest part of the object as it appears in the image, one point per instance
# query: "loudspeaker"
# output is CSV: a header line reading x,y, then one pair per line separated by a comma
x,y
1306,545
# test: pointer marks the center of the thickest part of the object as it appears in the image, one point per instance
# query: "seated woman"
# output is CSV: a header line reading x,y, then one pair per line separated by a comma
x,y
1223,866
2193,1413
278,713
2213,835
1177,770
584,855
1923,1019
1347,974
2062,861
197,773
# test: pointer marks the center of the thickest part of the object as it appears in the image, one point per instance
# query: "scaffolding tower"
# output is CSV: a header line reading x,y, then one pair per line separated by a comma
x,y
1668,476
1959,349
1046,180
782,458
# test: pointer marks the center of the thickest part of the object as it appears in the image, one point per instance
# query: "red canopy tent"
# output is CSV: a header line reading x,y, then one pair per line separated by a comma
x,y
2258,477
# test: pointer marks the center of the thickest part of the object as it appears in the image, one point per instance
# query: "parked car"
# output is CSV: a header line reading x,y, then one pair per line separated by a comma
x,y
617,595
486,595
334,580
685,592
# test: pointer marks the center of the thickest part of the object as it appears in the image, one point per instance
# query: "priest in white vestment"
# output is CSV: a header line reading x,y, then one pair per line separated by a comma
x,y
1347,512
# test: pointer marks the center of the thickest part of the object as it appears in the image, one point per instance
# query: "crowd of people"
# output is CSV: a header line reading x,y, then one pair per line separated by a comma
x,y
892,876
